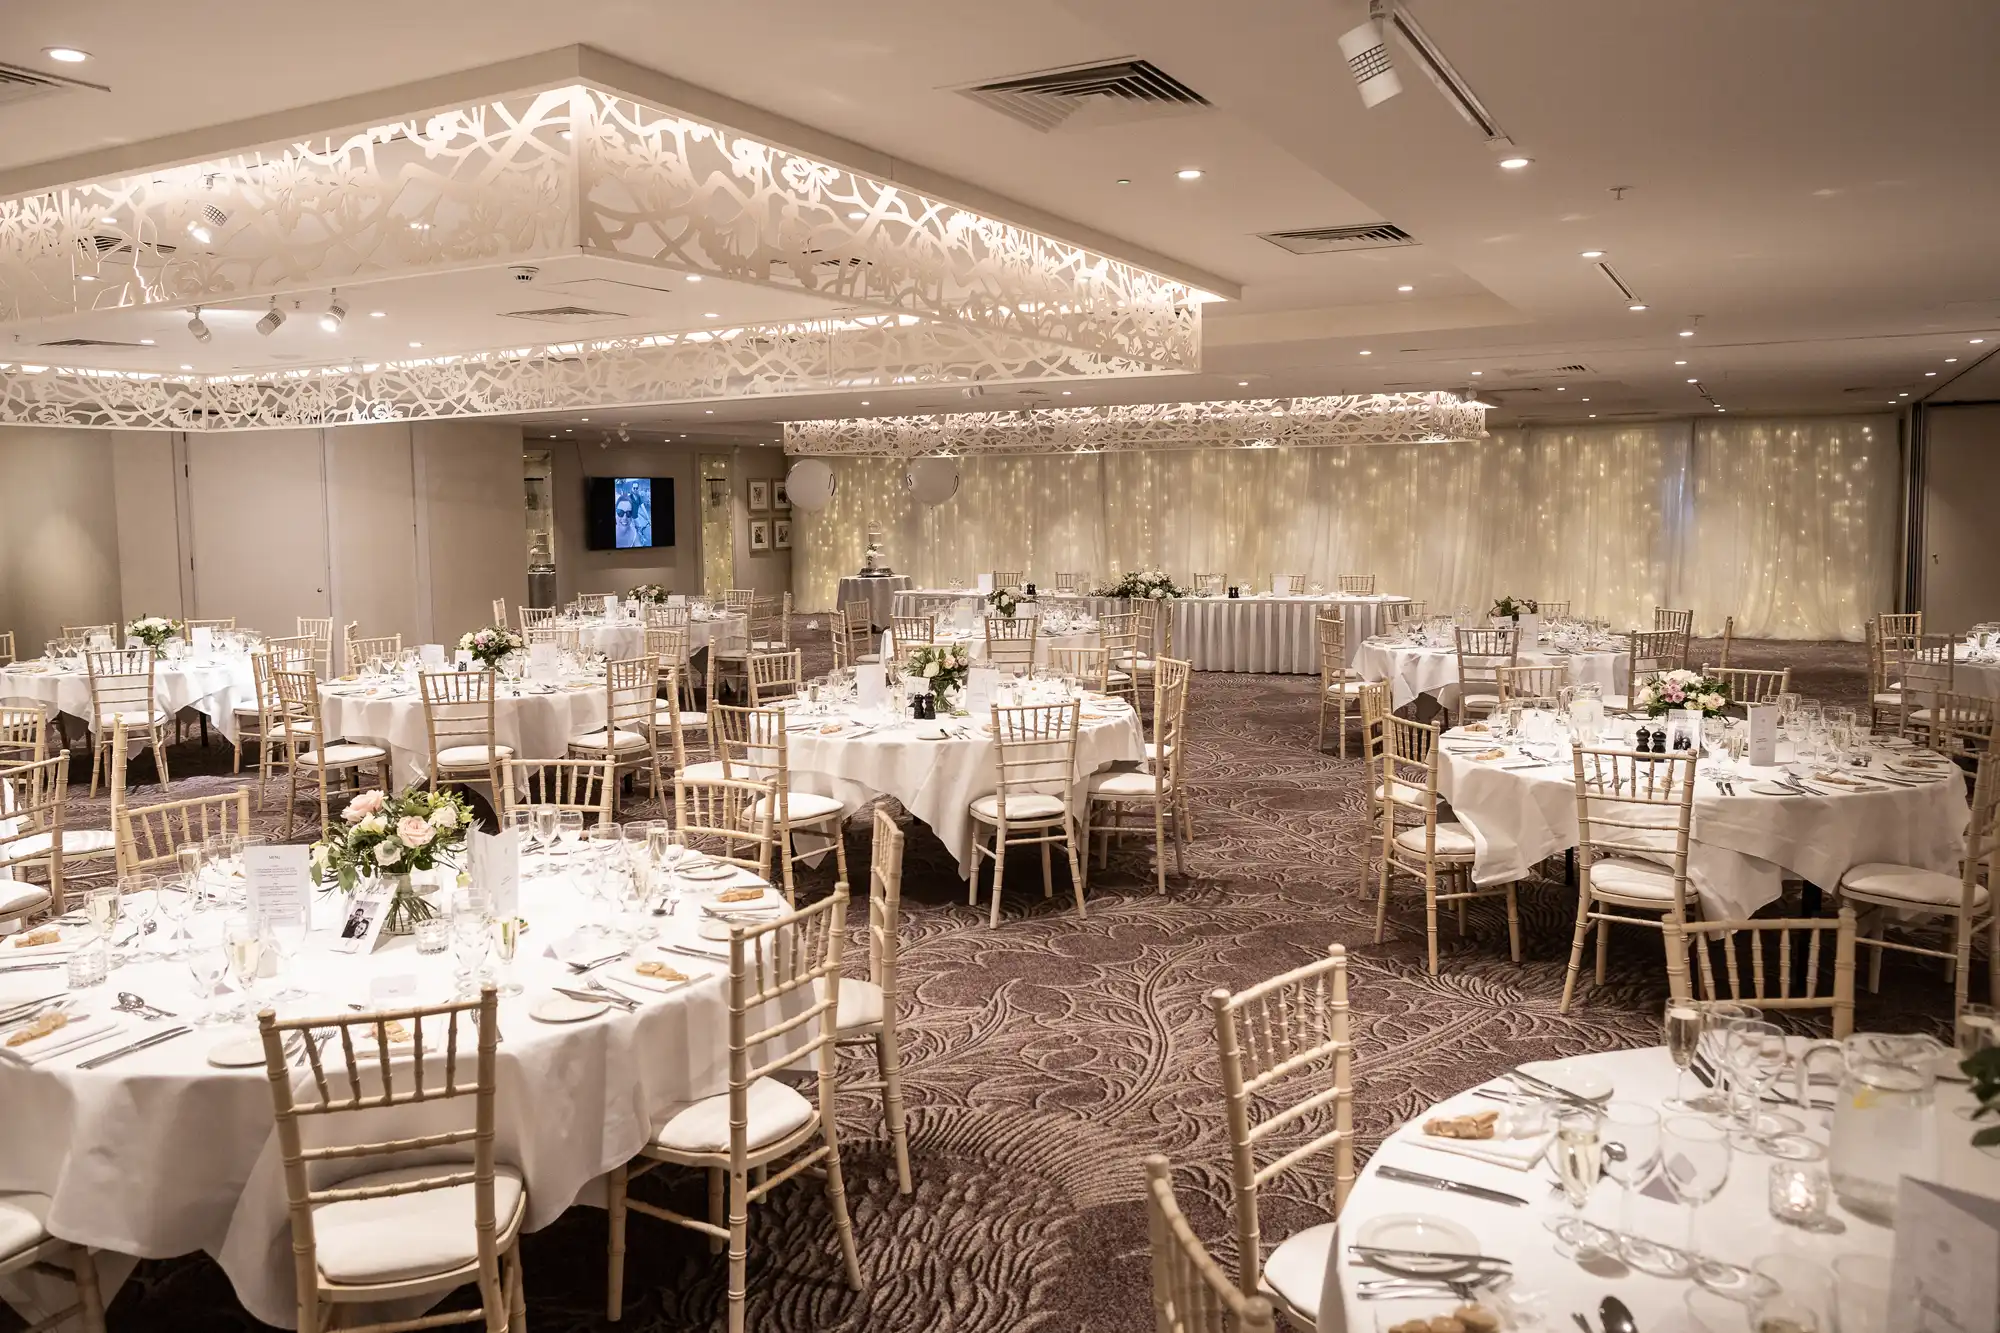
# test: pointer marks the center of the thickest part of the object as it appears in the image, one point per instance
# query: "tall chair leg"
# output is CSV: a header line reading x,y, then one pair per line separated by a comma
x,y
614,1285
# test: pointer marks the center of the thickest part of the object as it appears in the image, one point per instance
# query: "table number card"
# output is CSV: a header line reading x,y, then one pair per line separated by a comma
x,y
462,659
496,869
279,884
1763,750
1946,1274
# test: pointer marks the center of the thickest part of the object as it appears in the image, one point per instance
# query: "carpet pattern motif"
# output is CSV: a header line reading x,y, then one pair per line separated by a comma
x,y
1045,1059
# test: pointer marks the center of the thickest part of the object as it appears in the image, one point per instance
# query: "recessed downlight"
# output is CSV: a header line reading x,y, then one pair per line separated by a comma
x,y
1929,374
1124,180
1593,254
1976,341
710,314
68,55
1243,384
1479,372
1366,352
1514,163
1636,305
416,344
1406,287
187,367
694,277
377,314
856,214
1692,380
1189,173
1562,388
1687,333
1680,363
1948,360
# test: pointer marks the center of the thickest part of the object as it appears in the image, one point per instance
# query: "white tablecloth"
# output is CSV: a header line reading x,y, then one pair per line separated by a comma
x,y
1267,634
1977,675
533,725
937,780
1742,846
1413,669
1736,1225
161,1154
216,687
879,593
1043,642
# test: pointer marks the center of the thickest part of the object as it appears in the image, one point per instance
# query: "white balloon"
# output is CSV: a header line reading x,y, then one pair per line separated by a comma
x,y
810,484
932,481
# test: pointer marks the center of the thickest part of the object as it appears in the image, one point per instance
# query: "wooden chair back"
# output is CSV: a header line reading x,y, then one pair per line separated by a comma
x,y
121,687
1332,628
6,647
1748,685
1651,653
219,624
1009,578
1554,610
1481,654
1532,686
531,616
1357,585
909,631
1171,676
1729,639
24,736
151,836
1090,667
35,795
1035,749
1961,725
668,615
1668,620
1291,585
1395,613
885,905
1210,585
499,610
1072,581
459,709
1153,623
1010,642
297,695
319,629
776,676
729,819
85,633
1633,805
584,785
738,599
1118,636
1191,1293
753,745
361,648
1928,667
1409,781
1375,709
1752,960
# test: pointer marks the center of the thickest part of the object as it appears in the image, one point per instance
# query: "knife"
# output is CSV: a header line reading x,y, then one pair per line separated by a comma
x,y
1548,1089
32,967
140,1045
1452,1186
592,997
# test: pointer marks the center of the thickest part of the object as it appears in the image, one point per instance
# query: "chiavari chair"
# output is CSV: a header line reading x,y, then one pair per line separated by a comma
x,y
737,599
7,648
1531,686
1286,1048
1153,624
729,819
1668,621
1728,640
868,1005
1009,578
320,630
1191,1293
1010,642
1119,799
1438,853
771,624
668,615
86,633
28,1248
1897,624
1910,898
499,610
400,1230
563,638
628,737
1339,687
1747,685
1394,614
1089,667
1481,654
1759,963
755,747
909,631
1648,654
217,625
263,723
85,851
1886,646
1032,801
775,676
738,1135
1210,585
1633,813
322,761
460,722
860,616
151,836
1928,667
359,648
854,641
1357,585
1074,582
36,795
1118,636
1554,610
586,786
122,693
669,648
1290,585
24,735
1960,726
534,616
1374,703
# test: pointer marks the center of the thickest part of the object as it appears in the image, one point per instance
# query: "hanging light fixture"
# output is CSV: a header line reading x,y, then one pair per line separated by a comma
x,y
273,317
198,327
335,312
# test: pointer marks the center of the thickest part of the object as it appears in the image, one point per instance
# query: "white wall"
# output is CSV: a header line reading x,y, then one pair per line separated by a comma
x,y
767,572
474,521
578,569
1961,577
58,533
372,525
152,561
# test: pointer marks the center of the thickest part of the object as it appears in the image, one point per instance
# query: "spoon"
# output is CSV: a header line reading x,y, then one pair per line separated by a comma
x,y
1616,1318
134,1004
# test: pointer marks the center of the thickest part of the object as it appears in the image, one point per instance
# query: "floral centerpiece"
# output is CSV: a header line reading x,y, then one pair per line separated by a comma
x,y
943,664
1511,607
391,837
1982,1069
154,631
1146,584
490,644
1004,601
1668,690
651,594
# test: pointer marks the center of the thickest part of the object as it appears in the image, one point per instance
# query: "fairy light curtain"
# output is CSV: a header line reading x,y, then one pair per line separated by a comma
x,y
1790,526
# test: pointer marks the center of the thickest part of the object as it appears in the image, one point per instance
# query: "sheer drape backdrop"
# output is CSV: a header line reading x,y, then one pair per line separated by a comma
x,y
1788,525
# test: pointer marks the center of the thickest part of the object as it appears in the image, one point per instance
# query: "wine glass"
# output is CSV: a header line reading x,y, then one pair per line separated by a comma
x,y
569,830
174,899
285,936
470,940
1579,1150
1694,1157
1631,1134
243,947
546,822
1755,1053
206,962
101,909
1683,1024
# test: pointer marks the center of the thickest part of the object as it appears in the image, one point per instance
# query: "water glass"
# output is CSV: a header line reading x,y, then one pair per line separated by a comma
x,y
569,829
1861,1293
1694,1157
1754,1053
470,940
1795,1295
1631,1134
547,820
1978,1029
243,947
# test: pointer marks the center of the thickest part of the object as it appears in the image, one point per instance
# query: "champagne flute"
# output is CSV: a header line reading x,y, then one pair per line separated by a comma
x,y
546,820
1683,1024
1579,1149
506,939
206,962
1694,1156
569,829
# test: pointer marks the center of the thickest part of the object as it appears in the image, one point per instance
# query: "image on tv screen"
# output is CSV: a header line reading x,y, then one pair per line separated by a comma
x,y
632,508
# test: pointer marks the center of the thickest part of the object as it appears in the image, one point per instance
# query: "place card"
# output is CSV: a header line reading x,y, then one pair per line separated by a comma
x,y
496,869
1946,1274
365,914
1763,750
462,659
204,639
279,884
391,991
431,654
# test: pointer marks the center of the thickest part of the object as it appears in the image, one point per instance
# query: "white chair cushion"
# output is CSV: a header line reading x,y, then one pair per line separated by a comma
x,y
1624,877
76,842
1153,750
770,646
18,896
1117,677
408,1236
474,754
1347,687
802,807
1479,699
1920,715
774,1110
1889,698
708,770
1405,793
1907,884
343,753
1297,1268
1452,840
21,1218
1126,783
689,721
134,717
621,740
860,1003
1024,808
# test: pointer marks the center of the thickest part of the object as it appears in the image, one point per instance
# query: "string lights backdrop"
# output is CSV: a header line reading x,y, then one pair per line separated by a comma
x,y
1790,526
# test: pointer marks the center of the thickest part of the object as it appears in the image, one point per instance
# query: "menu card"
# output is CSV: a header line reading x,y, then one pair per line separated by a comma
x,y
870,691
986,583
544,663
496,869
204,638
982,683
1763,751
280,884
431,654
1946,1273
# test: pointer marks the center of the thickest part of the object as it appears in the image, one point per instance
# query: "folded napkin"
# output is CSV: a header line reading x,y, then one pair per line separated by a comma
x,y
584,947
77,1032
627,974
1517,1154
72,938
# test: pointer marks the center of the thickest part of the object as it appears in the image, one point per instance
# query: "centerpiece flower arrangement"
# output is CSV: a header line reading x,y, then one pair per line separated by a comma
x,y
1513,608
492,643
382,836
652,594
1004,601
1982,1069
1147,584
154,631
944,665
1667,690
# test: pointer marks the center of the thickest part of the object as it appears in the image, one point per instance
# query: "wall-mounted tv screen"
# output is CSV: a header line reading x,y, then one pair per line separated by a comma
x,y
629,513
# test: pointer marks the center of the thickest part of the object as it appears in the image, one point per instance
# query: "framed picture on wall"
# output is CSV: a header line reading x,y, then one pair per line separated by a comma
x,y
781,533
760,497
780,497
760,534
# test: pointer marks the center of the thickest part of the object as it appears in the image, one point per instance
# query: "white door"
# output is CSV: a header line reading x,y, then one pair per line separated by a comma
x,y
257,520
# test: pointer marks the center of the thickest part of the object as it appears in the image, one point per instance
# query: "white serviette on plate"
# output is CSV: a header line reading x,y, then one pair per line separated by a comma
x,y
77,1032
1516,1154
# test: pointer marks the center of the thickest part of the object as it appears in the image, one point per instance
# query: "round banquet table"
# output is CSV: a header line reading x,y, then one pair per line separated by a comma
x,y
215,686
1977,670
1741,847
879,592
1043,642
1413,669
161,1154
535,721
855,756
1736,1225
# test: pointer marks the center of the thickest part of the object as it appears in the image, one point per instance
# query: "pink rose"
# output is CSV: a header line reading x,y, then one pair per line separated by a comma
x,y
413,831
366,804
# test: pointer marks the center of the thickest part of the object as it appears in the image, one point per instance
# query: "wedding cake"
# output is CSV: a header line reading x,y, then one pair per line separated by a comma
x,y
872,567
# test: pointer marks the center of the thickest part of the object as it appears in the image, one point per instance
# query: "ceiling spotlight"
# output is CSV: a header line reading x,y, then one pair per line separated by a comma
x,y
187,367
1479,372
708,411
1189,173
68,55
1928,374
864,402
1687,333
583,418
1243,384
1406,287
1124,180
1680,363
1593,254
1065,393
1948,360
197,327
200,233
1693,381
1562,388
1366,352
336,311
1367,58
856,215
145,342
273,317
1593,416
694,277
1976,341
710,314
1636,305
1904,394
1514,163
416,344
377,314
1586,400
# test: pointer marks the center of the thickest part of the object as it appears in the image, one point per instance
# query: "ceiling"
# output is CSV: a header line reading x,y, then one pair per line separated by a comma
x,y
1809,190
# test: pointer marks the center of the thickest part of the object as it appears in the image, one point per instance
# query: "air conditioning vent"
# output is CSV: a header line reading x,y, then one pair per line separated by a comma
x,y
20,84
564,314
1541,372
1087,96
104,244
95,342
1328,240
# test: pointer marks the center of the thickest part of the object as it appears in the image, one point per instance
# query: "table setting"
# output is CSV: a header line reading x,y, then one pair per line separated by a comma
x,y
215,680
1422,657
1976,665
1733,1180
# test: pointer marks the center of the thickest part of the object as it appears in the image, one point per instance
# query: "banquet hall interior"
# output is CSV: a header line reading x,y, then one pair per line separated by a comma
x,y
1085,665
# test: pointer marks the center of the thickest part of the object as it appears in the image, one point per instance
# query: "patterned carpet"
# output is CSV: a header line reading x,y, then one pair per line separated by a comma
x,y
1046,1059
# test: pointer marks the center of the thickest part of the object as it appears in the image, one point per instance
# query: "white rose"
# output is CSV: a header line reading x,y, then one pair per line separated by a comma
x,y
388,853
930,669
444,817
372,824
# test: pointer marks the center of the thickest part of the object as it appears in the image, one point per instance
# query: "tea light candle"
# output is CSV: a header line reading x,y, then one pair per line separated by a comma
x,y
1799,1192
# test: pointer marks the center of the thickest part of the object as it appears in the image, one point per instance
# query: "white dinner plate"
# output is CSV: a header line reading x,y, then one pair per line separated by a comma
x,y
561,1009
240,1053
706,870
1771,789
1418,1231
1573,1077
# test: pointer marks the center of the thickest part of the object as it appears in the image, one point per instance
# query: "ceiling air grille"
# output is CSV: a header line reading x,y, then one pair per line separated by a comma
x,y
93,342
1329,240
563,314
18,84
1111,93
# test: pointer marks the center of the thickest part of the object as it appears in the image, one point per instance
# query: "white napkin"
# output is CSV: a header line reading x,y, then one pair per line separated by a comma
x,y
584,946
1517,1154
77,1032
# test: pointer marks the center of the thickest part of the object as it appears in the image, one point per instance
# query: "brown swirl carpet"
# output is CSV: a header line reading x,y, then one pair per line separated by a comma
x,y
1045,1059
